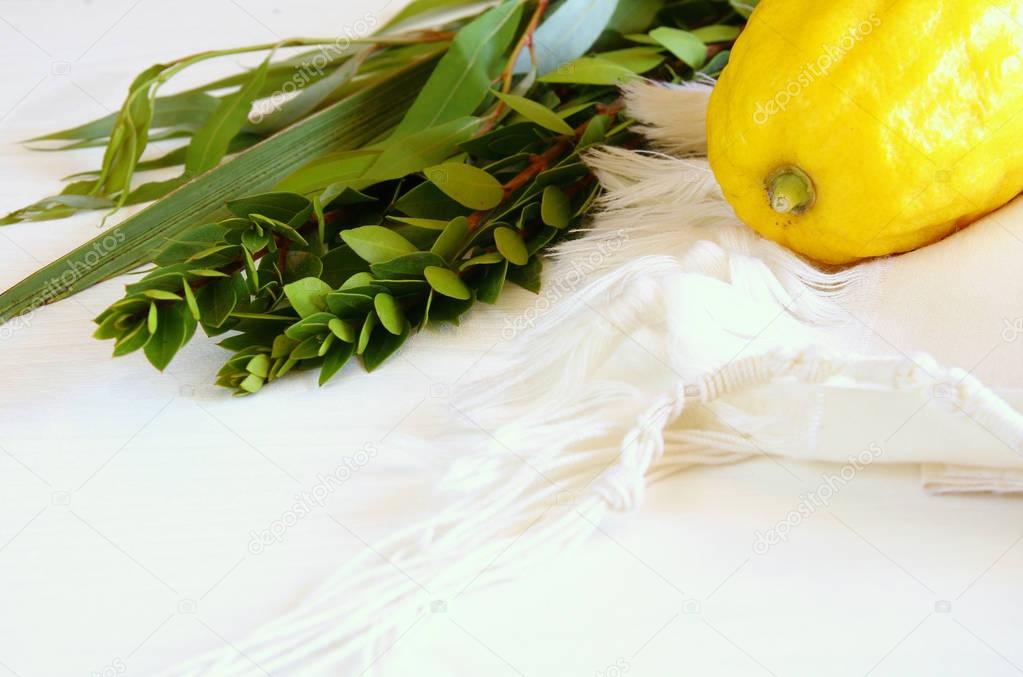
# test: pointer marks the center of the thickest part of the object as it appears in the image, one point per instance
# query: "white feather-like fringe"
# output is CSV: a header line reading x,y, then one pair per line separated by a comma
x,y
674,117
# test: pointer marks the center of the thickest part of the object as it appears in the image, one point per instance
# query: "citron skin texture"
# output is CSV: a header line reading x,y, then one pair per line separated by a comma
x,y
907,115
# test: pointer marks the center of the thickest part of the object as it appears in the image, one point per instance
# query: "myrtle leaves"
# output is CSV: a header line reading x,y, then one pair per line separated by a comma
x,y
209,278
467,185
454,202
212,140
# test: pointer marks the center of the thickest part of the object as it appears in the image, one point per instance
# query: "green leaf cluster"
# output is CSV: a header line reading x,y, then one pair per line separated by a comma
x,y
417,173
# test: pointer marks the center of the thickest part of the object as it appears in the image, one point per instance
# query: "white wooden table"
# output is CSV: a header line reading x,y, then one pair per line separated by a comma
x,y
129,497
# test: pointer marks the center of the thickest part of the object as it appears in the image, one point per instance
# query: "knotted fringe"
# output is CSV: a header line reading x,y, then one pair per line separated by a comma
x,y
570,431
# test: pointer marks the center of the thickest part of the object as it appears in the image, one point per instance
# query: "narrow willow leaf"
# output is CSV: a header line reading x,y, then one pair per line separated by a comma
x,y
418,151
447,282
175,132
154,190
391,316
278,74
210,143
590,71
377,244
189,108
536,112
341,168
683,44
129,136
309,99
467,185
349,123
556,208
464,75
568,34
56,207
417,8
308,296
511,246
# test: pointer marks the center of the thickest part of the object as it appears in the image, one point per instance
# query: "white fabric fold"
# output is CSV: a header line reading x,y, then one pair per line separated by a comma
x,y
960,479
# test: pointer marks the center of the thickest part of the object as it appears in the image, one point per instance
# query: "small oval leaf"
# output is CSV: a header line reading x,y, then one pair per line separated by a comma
x,y
467,185
536,112
511,246
556,208
377,244
450,242
390,313
308,296
683,44
447,282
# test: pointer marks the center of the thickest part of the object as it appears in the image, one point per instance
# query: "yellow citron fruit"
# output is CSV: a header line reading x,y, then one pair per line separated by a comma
x,y
861,128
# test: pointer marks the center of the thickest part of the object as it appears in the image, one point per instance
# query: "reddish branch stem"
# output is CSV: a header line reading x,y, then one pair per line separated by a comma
x,y
541,163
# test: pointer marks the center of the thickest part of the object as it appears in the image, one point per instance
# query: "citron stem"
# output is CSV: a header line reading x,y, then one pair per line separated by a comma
x,y
790,191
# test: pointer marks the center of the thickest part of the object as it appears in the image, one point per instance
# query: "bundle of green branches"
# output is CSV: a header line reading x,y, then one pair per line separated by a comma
x,y
371,187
